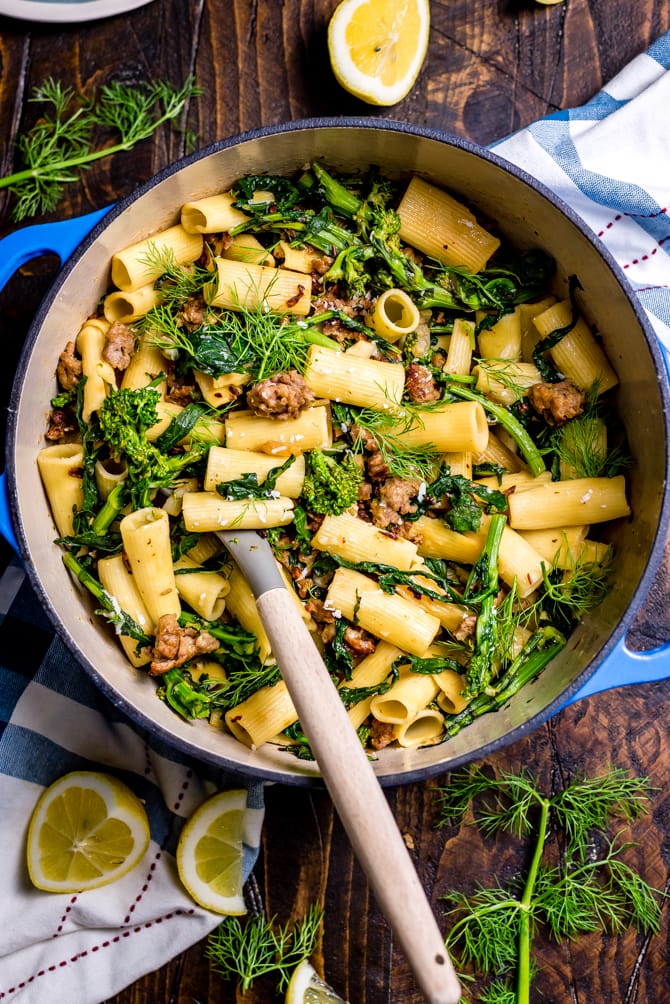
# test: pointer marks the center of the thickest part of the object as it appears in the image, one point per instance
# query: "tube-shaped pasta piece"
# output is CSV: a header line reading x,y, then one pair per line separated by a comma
x,y
246,247
61,468
205,547
225,464
297,259
204,592
245,286
443,227
352,539
530,336
262,716
108,474
450,428
311,430
146,364
495,452
131,305
146,542
451,686
220,390
241,603
207,512
120,584
503,339
450,615
395,618
143,262
100,375
517,561
440,541
425,729
461,346
517,481
459,463
370,672
578,355
211,215
409,694
505,382
569,503
394,315
366,383
559,546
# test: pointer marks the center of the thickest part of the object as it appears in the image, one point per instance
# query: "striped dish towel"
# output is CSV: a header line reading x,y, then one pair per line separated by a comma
x,y
82,949
610,161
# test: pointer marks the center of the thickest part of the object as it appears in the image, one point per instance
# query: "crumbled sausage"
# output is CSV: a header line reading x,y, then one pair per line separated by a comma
x,y
421,384
381,734
119,345
69,368
282,396
61,422
175,645
557,402
193,312
396,499
359,641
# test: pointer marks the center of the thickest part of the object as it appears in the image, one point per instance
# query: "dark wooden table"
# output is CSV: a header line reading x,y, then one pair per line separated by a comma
x,y
493,66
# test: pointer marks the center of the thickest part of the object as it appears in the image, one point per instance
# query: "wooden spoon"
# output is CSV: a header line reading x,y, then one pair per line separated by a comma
x,y
347,772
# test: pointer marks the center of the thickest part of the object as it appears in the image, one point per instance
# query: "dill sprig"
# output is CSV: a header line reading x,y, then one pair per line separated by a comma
x,y
251,341
245,951
590,889
389,432
62,142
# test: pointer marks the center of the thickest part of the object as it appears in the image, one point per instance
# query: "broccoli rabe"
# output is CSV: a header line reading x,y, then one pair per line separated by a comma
x,y
125,417
331,483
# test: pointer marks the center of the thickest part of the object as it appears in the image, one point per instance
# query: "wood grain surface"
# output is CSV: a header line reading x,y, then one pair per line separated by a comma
x,y
493,66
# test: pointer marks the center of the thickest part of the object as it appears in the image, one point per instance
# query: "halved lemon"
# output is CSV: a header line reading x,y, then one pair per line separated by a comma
x,y
210,851
87,829
306,987
377,47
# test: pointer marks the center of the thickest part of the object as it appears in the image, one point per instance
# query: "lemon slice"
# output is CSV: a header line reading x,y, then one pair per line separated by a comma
x,y
306,987
209,853
87,830
377,47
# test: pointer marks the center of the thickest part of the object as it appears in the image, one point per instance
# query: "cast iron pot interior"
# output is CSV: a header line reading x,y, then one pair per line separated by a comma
x,y
529,216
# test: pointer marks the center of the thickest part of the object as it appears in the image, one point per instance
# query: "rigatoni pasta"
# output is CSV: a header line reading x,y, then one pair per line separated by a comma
x,y
415,420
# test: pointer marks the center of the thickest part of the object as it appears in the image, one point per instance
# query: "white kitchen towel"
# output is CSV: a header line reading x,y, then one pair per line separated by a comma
x,y
82,949
608,160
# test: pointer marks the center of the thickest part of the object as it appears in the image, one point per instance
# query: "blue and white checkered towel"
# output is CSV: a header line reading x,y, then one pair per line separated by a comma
x,y
608,160
82,949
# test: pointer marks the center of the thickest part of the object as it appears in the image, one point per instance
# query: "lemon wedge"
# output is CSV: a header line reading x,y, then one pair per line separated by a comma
x,y
209,853
306,987
377,47
87,830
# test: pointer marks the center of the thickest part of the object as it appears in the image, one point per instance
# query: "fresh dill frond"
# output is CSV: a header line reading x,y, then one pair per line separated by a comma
x,y
591,888
246,950
177,283
62,142
389,432
252,341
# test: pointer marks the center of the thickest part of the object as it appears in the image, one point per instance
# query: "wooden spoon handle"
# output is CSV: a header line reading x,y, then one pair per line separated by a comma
x,y
358,798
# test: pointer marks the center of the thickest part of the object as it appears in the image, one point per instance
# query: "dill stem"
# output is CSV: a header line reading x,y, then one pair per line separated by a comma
x,y
524,968
48,170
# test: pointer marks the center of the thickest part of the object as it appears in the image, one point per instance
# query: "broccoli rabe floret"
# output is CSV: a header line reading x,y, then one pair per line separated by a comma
x,y
331,483
125,417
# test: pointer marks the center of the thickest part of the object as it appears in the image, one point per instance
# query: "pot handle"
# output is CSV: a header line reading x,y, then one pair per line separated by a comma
x,y
60,238
624,666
